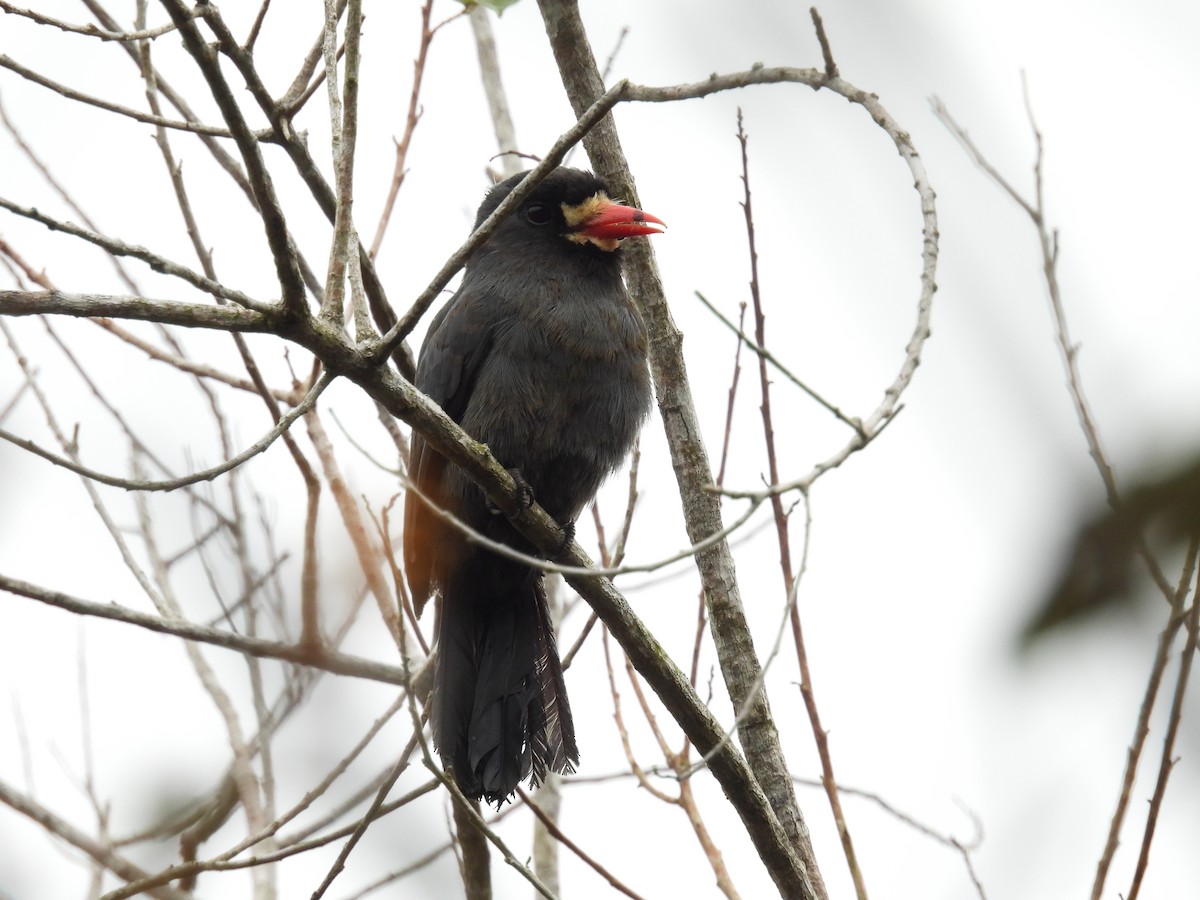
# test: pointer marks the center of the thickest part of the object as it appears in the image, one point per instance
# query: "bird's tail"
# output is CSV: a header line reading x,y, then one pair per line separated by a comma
x,y
500,712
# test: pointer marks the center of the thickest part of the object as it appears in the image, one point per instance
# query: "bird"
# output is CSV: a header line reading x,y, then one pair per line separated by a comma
x,y
542,355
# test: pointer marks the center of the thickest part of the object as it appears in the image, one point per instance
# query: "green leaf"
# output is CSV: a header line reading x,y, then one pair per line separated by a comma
x,y
496,6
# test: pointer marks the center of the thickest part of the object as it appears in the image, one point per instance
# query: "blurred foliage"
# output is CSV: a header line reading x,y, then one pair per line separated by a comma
x,y
1099,574
496,6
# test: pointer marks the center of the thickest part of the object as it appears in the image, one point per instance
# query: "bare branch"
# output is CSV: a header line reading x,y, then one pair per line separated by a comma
x,y
327,660
1167,760
770,357
171,484
28,74
88,30
551,826
410,127
68,833
493,88
515,198
290,280
153,260
1068,349
791,581
166,312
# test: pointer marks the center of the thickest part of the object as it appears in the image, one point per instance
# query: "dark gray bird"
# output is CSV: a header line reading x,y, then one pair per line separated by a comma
x,y
542,356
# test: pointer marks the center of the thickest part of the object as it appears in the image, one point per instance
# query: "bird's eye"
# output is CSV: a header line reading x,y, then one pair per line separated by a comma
x,y
538,214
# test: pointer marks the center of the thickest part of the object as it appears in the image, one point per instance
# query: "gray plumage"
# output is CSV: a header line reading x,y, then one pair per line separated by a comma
x,y
541,355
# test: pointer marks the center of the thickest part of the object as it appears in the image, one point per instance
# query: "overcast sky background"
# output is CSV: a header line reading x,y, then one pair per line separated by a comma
x,y
929,550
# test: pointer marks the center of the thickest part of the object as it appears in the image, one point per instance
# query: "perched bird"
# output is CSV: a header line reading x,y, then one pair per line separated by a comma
x,y
541,355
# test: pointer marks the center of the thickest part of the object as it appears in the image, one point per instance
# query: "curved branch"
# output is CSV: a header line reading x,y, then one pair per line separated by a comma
x,y
547,565
794,876
171,484
889,406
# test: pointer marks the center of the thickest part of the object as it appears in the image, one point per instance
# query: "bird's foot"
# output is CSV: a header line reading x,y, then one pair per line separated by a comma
x,y
568,528
524,495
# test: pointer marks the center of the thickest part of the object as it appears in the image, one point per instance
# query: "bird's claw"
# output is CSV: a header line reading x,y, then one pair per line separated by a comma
x,y
524,494
568,528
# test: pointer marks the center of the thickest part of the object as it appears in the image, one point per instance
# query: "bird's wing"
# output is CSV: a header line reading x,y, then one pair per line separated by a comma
x,y
458,343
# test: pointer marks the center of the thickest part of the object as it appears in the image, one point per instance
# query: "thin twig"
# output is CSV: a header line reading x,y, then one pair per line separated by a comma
x,y
963,848
69,834
180,871
790,581
147,34
328,660
770,357
291,281
1167,760
558,834
410,126
1049,245
370,559
171,484
558,568
62,90
153,260
493,88
831,69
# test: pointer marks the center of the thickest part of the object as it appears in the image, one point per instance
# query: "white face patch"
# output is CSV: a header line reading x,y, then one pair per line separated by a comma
x,y
579,213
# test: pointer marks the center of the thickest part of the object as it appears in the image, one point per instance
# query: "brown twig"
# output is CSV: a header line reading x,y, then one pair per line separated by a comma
x,y
410,126
831,69
328,660
676,762
147,34
551,826
1048,243
171,484
679,764
256,27
287,269
767,356
153,260
69,834
370,560
1167,760
807,691
180,871
69,93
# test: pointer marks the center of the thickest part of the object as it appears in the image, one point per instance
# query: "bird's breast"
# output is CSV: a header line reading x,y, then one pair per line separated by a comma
x,y
565,394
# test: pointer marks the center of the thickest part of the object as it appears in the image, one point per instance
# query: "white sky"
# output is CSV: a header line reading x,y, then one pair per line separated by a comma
x,y
929,550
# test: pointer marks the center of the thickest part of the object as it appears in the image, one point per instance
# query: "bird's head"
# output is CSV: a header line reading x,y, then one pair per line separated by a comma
x,y
568,206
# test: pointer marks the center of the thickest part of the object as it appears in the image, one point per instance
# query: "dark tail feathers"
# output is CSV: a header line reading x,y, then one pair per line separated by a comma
x,y
500,712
